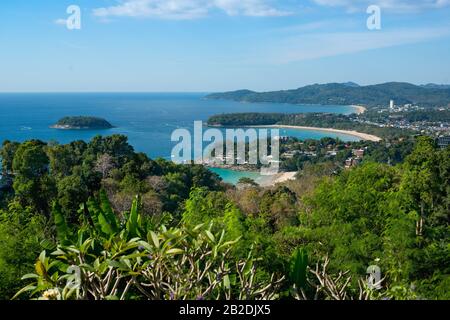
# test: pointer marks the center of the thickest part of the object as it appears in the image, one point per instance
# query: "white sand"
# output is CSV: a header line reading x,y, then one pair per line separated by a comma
x,y
363,136
359,109
277,178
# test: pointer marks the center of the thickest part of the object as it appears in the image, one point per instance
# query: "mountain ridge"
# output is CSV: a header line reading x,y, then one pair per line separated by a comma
x,y
348,93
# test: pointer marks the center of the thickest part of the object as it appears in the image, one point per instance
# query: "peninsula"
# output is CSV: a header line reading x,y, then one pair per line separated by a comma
x,y
311,121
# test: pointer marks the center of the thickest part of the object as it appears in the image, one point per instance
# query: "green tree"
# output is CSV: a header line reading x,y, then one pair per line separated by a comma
x,y
21,232
60,160
247,181
32,184
7,154
421,180
72,191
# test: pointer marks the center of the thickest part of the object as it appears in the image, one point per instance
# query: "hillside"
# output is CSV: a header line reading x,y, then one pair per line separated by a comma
x,y
345,94
436,86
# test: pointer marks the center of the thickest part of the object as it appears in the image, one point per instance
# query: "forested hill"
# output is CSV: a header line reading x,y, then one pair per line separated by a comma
x,y
82,122
345,94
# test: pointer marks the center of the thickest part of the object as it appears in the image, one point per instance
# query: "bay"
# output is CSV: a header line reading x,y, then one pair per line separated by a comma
x,y
148,119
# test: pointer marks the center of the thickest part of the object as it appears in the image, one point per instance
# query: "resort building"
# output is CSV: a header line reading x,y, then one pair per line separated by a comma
x,y
359,153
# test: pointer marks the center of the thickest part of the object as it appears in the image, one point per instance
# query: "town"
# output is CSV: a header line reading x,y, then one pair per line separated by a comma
x,y
430,121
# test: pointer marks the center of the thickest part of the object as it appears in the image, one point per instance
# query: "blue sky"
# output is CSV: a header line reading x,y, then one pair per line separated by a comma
x,y
218,45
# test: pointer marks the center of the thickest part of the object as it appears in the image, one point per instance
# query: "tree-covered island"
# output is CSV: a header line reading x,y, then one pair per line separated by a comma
x,y
82,122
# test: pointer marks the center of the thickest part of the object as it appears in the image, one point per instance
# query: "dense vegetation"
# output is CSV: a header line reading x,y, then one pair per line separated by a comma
x,y
246,119
43,174
436,86
345,94
72,224
319,120
83,122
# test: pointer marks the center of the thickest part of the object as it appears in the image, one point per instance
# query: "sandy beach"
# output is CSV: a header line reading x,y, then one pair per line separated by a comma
x,y
363,136
269,181
359,109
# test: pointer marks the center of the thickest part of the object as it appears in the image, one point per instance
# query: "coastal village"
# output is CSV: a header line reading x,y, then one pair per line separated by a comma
x,y
434,122
322,150
295,153
350,154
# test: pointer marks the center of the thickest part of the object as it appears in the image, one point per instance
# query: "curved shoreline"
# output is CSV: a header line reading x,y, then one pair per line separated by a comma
x,y
261,180
280,177
359,109
363,136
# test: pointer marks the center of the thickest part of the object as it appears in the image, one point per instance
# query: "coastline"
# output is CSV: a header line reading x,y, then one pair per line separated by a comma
x,y
281,177
261,180
363,136
69,127
65,127
359,109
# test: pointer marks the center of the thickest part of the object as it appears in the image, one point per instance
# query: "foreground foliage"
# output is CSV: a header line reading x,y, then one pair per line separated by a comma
x,y
111,259
188,236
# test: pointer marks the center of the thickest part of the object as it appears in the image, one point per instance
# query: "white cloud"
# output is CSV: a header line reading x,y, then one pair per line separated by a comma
x,y
394,5
168,9
61,22
257,8
188,9
315,46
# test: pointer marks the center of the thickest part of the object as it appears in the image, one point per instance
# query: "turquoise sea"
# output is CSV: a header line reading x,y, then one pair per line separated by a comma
x,y
148,119
233,176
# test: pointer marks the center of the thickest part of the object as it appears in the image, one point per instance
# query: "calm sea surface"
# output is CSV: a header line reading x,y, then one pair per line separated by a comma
x,y
148,119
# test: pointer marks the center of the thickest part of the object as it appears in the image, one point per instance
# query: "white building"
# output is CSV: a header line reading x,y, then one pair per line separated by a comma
x,y
391,105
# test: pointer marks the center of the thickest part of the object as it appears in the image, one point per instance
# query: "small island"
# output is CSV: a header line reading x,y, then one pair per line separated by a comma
x,y
82,123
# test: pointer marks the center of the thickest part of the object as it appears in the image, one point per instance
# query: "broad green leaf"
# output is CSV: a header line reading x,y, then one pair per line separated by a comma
x,y
155,239
40,269
107,211
47,244
210,236
25,289
132,223
226,281
146,245
175,251
29,276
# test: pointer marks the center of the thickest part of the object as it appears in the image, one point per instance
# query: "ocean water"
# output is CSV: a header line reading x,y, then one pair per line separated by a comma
x,y
233,176
148,119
